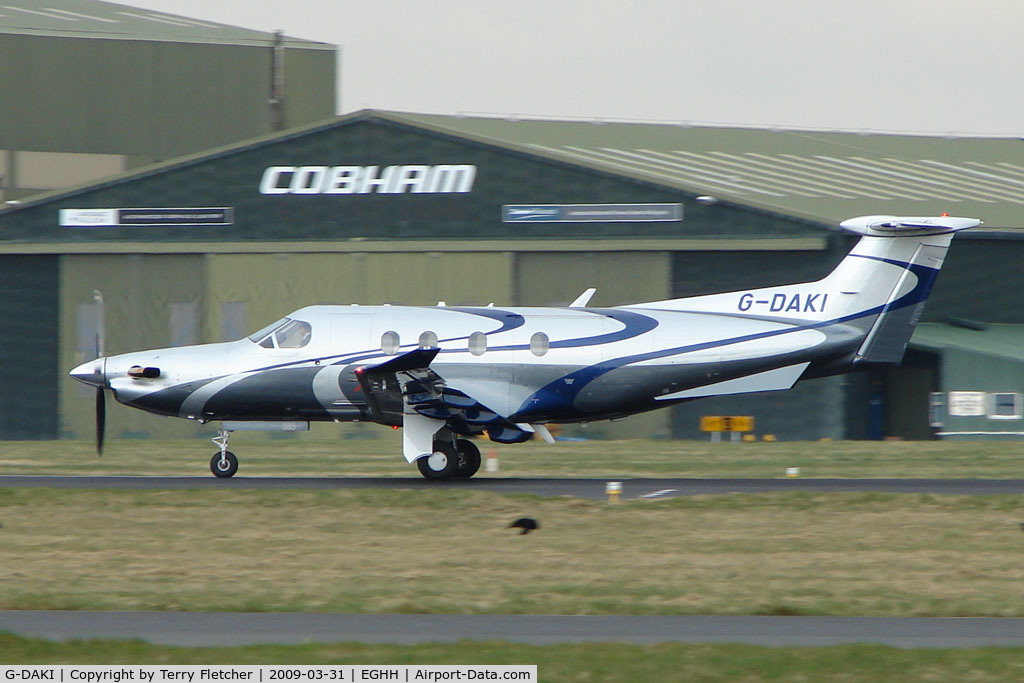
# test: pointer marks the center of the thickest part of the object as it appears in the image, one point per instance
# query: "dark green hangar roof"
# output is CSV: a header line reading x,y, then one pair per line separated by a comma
x,y
820,176
93,19
763,184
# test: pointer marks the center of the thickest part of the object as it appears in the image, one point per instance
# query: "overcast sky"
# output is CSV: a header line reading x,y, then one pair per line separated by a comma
x,y
934,66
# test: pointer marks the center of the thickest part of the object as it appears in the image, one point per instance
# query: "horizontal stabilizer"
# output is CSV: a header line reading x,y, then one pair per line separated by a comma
x,y
771,380
905,226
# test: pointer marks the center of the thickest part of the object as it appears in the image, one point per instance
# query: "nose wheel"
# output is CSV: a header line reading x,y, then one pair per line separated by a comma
x,y
224,464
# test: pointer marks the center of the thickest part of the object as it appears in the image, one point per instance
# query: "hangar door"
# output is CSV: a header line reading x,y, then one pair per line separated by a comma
x,y
29,372
904,409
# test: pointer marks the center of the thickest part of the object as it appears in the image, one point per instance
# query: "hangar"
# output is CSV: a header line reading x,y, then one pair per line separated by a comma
x,y
94,88
381,207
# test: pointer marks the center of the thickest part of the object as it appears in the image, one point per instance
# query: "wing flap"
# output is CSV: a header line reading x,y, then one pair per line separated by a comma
x,y
405,391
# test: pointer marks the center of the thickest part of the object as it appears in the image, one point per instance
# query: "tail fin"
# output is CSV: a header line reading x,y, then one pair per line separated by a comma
x,y
884,282
880,287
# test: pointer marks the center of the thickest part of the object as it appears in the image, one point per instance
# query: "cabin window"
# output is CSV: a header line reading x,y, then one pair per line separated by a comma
x,y
389,342
428,340
539,344
477,343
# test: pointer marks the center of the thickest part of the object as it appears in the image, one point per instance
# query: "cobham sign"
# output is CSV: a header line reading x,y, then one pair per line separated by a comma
x,y
441,179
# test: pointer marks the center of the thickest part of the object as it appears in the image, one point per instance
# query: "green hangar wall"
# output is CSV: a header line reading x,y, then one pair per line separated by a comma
x,y
378,207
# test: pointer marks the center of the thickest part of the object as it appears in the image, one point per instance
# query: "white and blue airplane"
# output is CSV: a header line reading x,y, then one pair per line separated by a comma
x,y
445,373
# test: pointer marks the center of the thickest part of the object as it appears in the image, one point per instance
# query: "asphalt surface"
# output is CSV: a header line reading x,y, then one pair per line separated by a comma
x,y
229,629
579,488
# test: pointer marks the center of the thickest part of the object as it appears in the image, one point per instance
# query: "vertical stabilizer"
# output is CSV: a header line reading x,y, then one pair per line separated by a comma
x,y
886,279
880,288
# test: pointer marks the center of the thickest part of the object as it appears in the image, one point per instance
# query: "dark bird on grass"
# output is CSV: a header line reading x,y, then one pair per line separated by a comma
x,y
527,524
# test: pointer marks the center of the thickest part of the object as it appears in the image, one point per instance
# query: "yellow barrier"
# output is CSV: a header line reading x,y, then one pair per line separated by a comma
x,y
727,423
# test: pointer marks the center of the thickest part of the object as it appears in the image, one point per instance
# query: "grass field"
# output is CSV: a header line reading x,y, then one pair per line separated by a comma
x,y
604,662
450,551
381,456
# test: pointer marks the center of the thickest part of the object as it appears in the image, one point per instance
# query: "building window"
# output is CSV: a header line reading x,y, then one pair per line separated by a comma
x,y
428,340
539,344
184,324
389,342
1004,406
232,320
936,409
478,343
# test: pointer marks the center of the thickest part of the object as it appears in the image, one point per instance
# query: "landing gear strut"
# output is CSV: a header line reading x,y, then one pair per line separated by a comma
x,y
224,463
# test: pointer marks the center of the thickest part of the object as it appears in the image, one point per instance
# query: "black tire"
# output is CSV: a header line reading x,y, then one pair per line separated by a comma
x,y
224,468
468,459
441,464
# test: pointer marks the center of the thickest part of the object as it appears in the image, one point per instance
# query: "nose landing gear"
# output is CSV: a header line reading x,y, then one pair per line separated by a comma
x,y
224,464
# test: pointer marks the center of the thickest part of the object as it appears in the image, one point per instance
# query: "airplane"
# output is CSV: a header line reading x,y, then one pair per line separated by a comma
x,y
446,373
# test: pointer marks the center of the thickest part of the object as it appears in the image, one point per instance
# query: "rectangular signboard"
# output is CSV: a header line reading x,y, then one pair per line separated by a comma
x,y
132,218
966,403
591,213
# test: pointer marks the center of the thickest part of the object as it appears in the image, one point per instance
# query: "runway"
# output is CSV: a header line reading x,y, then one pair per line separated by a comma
x,y
212,629
649,488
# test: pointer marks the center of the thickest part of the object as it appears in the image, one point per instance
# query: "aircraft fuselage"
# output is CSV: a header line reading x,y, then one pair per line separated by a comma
x,y
530,364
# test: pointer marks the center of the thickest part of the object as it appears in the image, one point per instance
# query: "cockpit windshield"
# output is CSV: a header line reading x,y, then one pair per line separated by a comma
x,y
284,334
258,336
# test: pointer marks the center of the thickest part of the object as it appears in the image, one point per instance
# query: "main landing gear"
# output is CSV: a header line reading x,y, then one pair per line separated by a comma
x,y
459,459
224,464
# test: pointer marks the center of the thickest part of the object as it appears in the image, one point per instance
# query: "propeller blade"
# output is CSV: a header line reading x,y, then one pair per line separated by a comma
x,y
101,419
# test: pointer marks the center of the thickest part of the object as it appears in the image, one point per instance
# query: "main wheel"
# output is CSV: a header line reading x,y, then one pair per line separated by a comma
x,y
468,459
225,466
441,464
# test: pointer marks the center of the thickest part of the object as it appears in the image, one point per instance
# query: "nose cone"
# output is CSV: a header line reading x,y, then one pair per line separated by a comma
x,y
91,373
